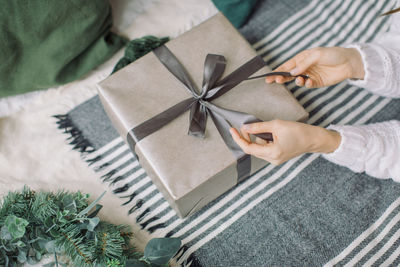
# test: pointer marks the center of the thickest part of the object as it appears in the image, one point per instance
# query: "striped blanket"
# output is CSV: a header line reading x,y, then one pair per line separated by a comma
x,y
306,212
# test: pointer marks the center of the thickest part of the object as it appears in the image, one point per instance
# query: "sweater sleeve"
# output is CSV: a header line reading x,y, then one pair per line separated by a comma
x,y
373,148
381,60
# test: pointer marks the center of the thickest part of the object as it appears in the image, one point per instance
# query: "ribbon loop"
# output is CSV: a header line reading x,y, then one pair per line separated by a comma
x,y
197,120
214,67
175,67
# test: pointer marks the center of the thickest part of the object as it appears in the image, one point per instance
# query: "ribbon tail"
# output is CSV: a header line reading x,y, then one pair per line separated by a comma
x,y
237,119
236,77
243,161
198,120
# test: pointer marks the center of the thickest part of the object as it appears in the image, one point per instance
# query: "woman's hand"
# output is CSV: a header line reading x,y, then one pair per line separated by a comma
x,y
324,66
291,139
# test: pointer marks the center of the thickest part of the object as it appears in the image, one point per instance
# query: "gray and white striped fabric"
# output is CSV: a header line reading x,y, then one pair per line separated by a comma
x,y
306,212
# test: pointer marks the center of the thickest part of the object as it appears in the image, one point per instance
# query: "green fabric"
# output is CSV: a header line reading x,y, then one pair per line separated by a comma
x,y
137,48
237,11
49,42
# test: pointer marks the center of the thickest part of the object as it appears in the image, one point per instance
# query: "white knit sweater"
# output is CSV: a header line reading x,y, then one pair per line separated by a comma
x,y
375,148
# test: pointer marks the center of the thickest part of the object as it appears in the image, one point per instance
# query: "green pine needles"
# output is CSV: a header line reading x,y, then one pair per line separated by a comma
x,y
137,48
33,224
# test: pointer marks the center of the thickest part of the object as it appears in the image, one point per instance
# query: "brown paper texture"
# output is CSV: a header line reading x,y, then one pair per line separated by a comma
x,y
189,171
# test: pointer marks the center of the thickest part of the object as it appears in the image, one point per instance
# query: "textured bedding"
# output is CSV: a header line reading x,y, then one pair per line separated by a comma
x,y
46,43
132,19
32,150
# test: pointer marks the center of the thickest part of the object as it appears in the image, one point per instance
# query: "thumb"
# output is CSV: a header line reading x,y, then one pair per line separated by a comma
x,y
305,63
258,127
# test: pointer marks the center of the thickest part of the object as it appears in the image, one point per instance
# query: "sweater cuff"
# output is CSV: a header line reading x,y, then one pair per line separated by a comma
x,y
373,67
351,151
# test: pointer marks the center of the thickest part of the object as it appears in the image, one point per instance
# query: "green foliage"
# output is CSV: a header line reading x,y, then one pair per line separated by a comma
x,y
113,263
13,228
160,250
137,48
33,224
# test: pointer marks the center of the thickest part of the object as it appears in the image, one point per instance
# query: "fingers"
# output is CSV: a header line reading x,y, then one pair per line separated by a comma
x,y
300,81
247,147
245,135
310,58
298,65
278,78
260,141
285,67
309,83
264,152
258,127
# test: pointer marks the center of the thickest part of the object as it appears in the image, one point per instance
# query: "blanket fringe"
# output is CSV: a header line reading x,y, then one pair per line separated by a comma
x,y
76,138
82,145
191,260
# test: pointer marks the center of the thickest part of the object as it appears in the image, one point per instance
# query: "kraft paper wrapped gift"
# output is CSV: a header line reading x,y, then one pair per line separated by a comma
x,y
191,171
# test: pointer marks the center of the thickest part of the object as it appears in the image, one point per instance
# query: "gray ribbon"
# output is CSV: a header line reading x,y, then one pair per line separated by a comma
x,y
200,105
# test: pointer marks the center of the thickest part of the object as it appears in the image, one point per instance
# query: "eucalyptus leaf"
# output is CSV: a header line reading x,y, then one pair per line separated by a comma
x,y
135,263
96,210
82,226
160,250
32,260
20,244
91,236
21,256
88,208
16,226
5,234
34,240
31,252
5,257
69,203
51,246
42,243
93,222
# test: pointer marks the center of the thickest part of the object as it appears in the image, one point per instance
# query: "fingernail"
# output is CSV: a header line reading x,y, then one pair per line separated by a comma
x,y
246,127
308,83
297,82
294,71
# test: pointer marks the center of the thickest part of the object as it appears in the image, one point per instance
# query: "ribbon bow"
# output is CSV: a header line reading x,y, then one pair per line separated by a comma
x,y
200,105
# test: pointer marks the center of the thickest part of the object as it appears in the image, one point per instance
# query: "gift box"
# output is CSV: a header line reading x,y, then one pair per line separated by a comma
x,y
154,101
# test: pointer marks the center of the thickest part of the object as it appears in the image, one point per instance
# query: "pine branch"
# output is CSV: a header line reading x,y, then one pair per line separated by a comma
x,y
37,223
85,258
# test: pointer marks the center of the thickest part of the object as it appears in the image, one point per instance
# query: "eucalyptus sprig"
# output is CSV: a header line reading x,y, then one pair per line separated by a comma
x,y
33,224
